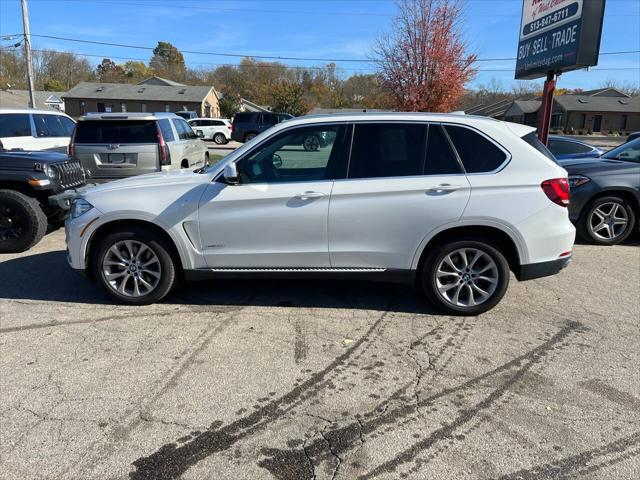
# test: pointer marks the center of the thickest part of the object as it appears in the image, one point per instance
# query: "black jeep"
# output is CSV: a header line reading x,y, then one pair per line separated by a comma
x,y
27,180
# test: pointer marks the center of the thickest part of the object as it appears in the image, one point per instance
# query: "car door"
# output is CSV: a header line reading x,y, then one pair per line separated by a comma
x,y
277,216
180,146
404,182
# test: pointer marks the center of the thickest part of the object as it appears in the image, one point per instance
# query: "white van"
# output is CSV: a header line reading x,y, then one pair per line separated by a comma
x,y
31,129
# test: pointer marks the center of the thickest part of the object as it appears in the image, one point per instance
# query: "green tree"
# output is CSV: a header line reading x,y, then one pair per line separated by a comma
x,y
229,106
53,85
136,71
288,97
167,61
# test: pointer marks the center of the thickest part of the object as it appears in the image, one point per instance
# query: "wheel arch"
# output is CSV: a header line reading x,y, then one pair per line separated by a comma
x,y
117,224
627,193
504,240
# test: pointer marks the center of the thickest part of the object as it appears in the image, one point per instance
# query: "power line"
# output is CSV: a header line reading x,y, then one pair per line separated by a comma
x,y
292,67
271,57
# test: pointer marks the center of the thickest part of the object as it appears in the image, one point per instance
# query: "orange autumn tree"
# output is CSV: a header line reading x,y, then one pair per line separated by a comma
x,y
423,62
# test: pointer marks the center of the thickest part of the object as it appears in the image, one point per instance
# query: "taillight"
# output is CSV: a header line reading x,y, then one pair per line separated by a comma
x,y
163,148
70,150
557,189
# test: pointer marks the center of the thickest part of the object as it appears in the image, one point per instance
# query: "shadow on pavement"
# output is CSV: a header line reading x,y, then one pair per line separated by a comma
x,y
47,277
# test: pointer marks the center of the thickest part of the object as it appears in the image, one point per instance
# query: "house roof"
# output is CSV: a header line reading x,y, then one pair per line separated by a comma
x,y
520,107
20,98
602,92
580,103
155,80
119,91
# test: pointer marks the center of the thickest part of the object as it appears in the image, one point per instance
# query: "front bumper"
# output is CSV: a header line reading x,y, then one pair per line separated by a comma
x,y
544,269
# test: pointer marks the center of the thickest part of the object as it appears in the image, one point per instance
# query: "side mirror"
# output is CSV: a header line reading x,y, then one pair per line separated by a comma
x,y
230,174
199,134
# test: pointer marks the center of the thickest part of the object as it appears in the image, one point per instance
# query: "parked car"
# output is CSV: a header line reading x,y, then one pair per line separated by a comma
x,y
445,202
605,194
187,114
633,136
565,148
247,125
216,129
27,180
31,129
118,145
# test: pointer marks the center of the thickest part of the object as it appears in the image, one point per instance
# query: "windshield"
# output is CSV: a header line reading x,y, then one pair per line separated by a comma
x,y
629,151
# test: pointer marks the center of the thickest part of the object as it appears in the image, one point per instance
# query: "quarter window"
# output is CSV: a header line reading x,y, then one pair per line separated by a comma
x,y
167,131
387,150
15,125
299,155
477,153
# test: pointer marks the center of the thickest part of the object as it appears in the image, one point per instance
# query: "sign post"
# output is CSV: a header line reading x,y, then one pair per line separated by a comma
x,y
557,36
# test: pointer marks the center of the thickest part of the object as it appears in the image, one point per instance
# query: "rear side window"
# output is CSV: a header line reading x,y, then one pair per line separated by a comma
x,y
110,131
167,131
477,153
245,118
269,119
566,147
532,139
440,158
15,125
68,124
387,150
49,126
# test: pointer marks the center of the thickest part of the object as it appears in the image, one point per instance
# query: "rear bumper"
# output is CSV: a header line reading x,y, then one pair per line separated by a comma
x,y
543,269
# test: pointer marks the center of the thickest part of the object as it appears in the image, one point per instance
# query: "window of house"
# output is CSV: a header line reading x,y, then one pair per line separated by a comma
x,y
83,108
623,122
478,154
387,150
167,107
583,120
298,155
15,125
123,107
143,107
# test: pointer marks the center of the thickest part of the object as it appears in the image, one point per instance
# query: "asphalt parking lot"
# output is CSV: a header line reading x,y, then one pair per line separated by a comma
x,y
300,380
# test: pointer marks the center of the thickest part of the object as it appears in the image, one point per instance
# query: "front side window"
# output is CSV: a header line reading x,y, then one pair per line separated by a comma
x,y
15,125
189,134
387,150
299,155
478,154
49,126
629,151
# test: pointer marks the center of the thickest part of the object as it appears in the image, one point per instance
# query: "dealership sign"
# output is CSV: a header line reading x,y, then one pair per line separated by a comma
x,y
558,36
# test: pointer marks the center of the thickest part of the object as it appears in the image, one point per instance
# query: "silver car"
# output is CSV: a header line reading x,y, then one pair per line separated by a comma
x,y
119,145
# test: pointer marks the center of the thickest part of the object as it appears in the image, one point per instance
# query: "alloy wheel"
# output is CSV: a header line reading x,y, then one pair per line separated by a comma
x,y
131,268
608,221
467,277
10,223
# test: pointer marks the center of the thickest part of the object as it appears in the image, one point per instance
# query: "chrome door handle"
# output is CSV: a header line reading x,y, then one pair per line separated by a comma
x,y
445,187
308,195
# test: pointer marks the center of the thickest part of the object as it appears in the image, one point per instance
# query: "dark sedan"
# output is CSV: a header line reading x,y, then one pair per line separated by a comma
x,y
605,194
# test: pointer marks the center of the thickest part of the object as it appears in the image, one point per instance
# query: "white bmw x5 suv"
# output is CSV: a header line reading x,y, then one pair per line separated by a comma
x,y
449,203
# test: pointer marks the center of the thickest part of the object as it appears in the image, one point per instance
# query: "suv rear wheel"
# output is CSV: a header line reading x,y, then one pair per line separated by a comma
x,y
607,221
22,222
249,136
219,138
466,277
134,266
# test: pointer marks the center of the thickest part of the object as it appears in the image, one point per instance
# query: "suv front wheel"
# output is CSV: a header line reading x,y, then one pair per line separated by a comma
x,y
466,277
134,266
22,222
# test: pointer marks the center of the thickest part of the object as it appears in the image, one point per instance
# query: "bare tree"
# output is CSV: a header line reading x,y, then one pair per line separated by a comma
x,y
424,62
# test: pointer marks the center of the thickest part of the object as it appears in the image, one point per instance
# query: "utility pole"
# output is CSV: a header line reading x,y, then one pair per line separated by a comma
x,y
27,52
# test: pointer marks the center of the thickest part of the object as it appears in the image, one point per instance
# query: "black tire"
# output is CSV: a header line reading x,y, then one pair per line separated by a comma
x,y
22,222
588,218
433,260
219,138
250,136
158,245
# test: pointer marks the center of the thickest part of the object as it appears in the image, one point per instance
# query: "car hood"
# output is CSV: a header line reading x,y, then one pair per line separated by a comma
x,y
32,156
594,166
162,179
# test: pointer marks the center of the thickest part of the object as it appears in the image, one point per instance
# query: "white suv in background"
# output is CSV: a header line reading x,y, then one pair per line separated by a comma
x,y
449,203
216,129
31,129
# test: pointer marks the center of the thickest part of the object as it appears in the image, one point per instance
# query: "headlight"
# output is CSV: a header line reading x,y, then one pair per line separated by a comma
x,y
577,180
79,207
50,172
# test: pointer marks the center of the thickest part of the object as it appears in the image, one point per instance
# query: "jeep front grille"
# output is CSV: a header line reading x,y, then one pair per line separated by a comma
x,y
70,174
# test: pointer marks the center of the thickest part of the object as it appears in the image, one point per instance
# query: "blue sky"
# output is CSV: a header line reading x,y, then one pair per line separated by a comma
x,y
300,28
